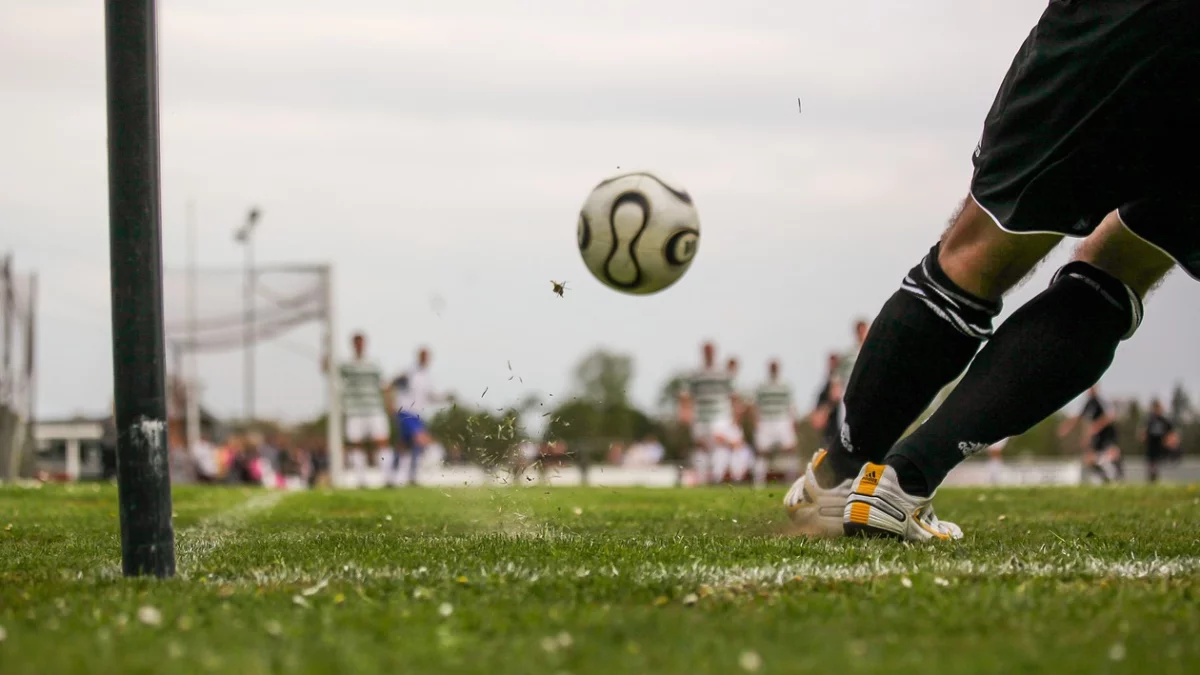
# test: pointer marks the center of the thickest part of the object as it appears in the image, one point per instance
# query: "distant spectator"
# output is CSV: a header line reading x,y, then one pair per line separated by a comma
x,y
1160,438
206,462
179,460
616,451
646,452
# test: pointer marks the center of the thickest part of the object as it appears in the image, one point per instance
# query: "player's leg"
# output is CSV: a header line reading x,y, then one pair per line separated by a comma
x,y
1072,330
720,454
741,458
996,463
357,438
701,453
1152,463
766,444
417,439
381,444
927,333
1116,465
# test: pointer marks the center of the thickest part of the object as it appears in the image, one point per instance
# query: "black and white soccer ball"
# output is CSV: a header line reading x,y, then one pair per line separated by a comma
x,y
637,233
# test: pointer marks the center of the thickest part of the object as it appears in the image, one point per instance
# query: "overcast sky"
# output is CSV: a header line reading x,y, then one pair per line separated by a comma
x,y
442,148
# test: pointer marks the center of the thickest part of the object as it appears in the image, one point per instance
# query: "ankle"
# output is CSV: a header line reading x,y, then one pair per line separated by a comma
x,y
912,479
838,466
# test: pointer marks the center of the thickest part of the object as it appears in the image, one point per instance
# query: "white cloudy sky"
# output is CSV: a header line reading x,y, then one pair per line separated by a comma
x,y
442,148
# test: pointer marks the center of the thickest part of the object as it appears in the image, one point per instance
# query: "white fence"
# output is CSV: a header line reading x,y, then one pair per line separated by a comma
x,y
975,473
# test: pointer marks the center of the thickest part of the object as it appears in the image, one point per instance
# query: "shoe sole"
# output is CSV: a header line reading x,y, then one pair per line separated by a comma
x,y
860,513
868,532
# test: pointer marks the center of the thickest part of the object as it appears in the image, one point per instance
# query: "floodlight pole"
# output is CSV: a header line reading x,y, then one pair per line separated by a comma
x,y
192,378
245,236
135,257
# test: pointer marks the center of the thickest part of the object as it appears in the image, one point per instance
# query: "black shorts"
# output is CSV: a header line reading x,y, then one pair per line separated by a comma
x,y
1099,112
1105,439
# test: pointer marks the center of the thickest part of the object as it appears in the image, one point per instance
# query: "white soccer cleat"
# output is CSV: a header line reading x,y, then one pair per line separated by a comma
x,y
815,510
877,506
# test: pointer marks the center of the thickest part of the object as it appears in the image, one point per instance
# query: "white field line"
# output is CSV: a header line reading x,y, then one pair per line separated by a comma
x,y
730,575
195,543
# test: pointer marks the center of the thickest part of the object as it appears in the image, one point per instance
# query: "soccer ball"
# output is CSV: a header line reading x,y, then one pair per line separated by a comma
x,y
638,234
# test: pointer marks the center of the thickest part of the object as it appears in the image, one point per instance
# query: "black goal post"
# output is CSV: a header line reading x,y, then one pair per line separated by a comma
x,y
135,257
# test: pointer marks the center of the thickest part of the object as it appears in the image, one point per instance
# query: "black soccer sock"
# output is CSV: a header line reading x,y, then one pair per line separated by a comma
x,y
923,338
1046,354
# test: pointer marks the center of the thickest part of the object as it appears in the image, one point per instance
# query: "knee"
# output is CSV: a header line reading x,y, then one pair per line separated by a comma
x,y
1118,252
985,260
1112,290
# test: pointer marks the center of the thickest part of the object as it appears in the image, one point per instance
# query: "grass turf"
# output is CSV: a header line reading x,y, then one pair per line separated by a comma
x,y
600,581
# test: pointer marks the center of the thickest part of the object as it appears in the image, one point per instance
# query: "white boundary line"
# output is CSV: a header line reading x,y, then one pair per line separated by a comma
x,y
734,575
195,543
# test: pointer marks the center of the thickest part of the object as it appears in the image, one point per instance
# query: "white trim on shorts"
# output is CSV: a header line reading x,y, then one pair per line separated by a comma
x,y
1120,218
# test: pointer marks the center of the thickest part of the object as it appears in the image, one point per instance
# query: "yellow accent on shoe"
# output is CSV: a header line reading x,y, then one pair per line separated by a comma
x,y
859,513
818,458
870,479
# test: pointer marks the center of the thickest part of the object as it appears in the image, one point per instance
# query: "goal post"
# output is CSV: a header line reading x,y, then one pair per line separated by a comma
x,y
18,373
207,312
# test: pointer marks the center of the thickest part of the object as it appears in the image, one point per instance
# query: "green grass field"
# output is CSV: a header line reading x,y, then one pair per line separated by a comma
x,y
600,581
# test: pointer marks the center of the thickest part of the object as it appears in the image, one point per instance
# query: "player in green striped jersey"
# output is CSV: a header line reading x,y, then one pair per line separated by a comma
x,y
775,428
367,430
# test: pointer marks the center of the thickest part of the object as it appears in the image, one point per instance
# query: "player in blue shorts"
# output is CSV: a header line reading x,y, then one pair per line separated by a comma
x,y
415,437
412,400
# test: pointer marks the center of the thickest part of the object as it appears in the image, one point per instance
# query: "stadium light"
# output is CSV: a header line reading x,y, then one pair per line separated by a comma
x,y
245,236
135,257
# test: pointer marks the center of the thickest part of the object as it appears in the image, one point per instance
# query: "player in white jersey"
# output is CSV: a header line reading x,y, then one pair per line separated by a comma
x,y
711,413
412,401
741,457
847,360
364,408
775,431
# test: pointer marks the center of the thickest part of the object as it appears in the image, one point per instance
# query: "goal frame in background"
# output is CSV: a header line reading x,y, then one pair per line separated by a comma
x,y
18,369
184,335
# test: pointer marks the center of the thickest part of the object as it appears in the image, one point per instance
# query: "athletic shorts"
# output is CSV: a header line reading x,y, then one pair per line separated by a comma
x,y
1099,111
367,428
774,434
1104,439
705,433
1157,452
410,425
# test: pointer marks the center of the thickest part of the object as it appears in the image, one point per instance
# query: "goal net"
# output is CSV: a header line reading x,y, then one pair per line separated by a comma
x,y
284,314
18,374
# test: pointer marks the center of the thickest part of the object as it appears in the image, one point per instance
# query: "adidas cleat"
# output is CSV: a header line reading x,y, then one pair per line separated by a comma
x,y
877,506
817,511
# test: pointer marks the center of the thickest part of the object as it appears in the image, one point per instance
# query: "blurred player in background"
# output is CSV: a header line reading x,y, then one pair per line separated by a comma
x,y
741,457
996,461
412,398
1101,454
847,360
775,422
826,415
367,430
1160,438
709,400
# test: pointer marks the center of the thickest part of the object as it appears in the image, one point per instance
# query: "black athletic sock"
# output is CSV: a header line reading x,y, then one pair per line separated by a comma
x,y
922,339
1045,354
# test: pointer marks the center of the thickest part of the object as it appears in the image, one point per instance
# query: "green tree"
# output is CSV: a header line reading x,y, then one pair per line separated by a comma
x,y
604,377
601,414
1181,406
